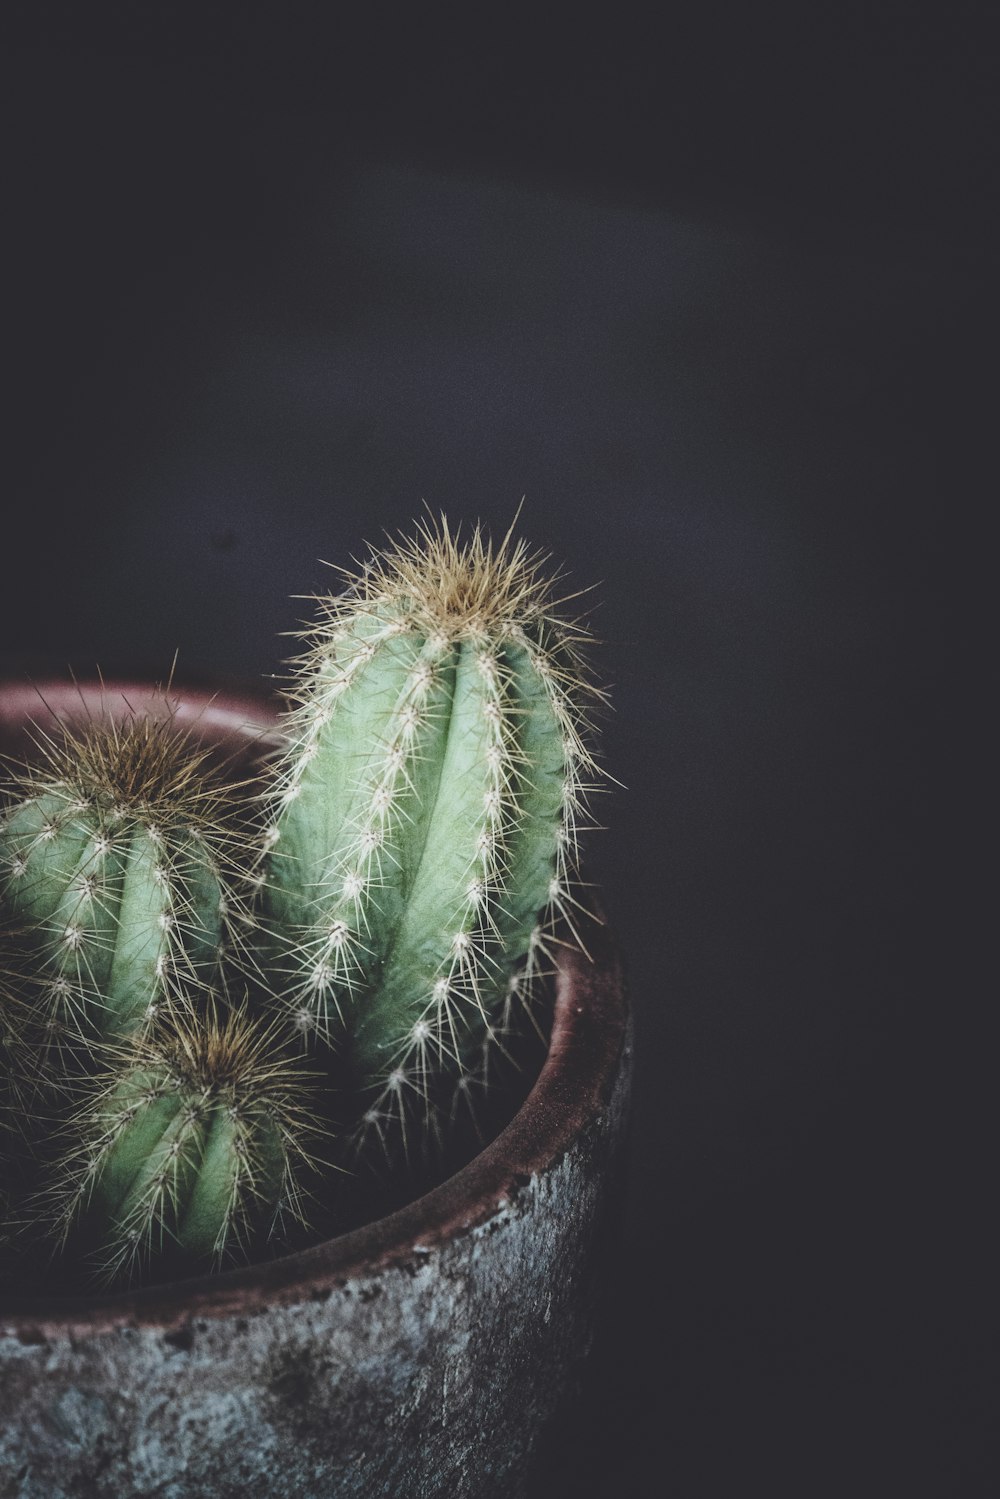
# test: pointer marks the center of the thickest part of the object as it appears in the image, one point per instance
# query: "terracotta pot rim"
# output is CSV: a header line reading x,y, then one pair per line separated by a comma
x,y
574,1085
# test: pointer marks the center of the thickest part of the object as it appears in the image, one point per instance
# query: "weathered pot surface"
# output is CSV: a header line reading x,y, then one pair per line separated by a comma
x,y
415,1356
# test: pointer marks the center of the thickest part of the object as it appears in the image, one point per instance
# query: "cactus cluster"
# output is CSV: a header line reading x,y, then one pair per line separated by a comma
x,y
210,984
172,1129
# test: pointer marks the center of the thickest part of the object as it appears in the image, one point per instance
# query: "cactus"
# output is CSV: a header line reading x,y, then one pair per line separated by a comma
x,y
417,871
192,1150
425,816
119,874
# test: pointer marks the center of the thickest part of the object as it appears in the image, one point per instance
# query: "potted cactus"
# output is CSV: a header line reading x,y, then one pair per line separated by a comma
x,y
274,989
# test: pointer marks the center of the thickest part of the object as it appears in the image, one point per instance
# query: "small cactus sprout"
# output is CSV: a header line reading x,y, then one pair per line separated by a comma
x,y
194,1150
118,873
424,824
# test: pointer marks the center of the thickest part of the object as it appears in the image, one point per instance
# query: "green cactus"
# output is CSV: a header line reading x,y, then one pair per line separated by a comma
x,y
420,849
193,1150
425,818
119,875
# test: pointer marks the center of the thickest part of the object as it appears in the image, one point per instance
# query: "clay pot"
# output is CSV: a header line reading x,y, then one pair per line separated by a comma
x,y
419,1355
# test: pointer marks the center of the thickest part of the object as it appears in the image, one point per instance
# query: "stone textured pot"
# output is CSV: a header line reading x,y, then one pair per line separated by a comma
x,y
420,1355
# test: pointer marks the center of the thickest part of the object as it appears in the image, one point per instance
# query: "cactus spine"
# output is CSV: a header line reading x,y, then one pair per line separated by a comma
x,y
426,814
193,1148
118,871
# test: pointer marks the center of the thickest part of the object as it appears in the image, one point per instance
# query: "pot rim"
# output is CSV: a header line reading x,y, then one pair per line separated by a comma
x,y
572,1088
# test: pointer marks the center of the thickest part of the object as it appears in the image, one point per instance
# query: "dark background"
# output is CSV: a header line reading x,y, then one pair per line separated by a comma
x,y
707,284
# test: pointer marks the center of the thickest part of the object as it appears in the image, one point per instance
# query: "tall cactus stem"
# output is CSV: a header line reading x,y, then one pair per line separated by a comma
x,y
424,825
